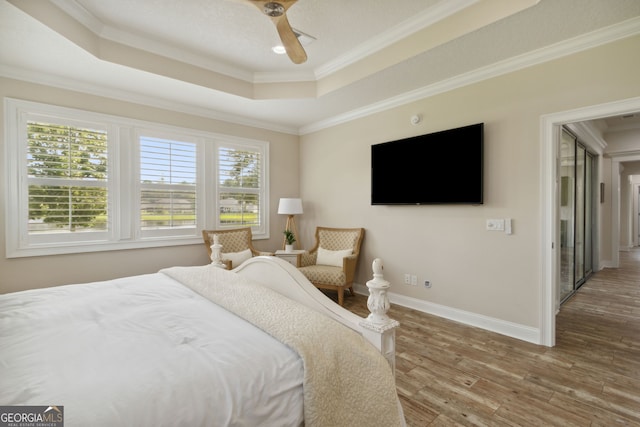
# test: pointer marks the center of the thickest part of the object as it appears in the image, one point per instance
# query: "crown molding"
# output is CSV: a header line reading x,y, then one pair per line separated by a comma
x,y
629,156
420,21
100,29
577,44
428,17
137,98
108,43
80,14
589,134
599,37
278,77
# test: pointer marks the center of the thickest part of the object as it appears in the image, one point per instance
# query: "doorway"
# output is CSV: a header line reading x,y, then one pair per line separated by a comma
x,y
550,125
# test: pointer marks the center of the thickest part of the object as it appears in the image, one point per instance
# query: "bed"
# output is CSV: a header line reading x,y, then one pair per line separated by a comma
x,y
201,346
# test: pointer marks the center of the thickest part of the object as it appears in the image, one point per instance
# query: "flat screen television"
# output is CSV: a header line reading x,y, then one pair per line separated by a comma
x,y
443,167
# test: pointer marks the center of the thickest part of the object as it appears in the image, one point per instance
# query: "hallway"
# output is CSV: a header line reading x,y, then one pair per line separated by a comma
x,y
599,328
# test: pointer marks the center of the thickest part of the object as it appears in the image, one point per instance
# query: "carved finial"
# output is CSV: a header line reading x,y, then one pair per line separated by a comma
x,y
378,328
378,301
216,253
376,266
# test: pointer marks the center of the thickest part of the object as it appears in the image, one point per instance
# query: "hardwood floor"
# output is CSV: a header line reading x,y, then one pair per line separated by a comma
x,y
450,374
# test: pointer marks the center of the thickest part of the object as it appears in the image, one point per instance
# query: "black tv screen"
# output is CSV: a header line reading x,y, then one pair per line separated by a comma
x,y
443,167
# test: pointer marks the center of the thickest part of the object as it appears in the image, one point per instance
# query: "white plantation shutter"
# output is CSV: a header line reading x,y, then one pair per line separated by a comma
x,y
167,184
79,181
240,181
67,178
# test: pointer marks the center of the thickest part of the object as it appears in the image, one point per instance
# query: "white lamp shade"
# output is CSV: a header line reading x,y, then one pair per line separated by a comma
x,y
290,206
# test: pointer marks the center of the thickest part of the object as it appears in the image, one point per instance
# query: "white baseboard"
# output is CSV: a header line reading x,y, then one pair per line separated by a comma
x,y
606,264
510,329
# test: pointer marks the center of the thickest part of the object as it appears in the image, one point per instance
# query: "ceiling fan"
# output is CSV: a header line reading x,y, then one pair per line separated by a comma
x,y
277,11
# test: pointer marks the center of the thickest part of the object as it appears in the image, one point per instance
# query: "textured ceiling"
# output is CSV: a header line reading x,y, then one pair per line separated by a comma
x,y
235,33
351,68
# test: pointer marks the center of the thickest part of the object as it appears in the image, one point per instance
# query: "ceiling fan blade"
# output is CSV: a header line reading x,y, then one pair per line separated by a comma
x,y
290,41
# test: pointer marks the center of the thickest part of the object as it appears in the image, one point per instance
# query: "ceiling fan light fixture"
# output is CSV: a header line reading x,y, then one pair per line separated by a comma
x,y
305,39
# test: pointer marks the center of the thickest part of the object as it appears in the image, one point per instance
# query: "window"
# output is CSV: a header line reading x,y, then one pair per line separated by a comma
x,y
67,178
167,184
239,187
78,181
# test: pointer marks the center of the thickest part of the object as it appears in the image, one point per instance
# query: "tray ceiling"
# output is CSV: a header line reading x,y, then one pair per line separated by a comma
x,y
214,58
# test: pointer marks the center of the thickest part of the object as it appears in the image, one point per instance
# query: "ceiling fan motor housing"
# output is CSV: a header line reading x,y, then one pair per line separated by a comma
x,y
273,9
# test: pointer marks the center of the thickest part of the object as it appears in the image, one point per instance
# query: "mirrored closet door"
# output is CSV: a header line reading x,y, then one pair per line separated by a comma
x,y
576,214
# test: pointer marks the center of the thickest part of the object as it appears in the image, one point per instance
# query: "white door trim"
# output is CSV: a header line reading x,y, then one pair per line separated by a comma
x,y
634,214
549,126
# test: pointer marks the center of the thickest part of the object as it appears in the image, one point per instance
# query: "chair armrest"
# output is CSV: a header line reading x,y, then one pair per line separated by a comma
x,y
349,267
308,258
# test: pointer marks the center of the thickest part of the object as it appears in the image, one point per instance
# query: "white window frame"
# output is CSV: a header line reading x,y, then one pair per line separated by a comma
x,y
124,231
238,145
200,166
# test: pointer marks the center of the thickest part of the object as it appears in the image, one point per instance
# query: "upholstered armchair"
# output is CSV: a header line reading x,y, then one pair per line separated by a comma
x,y
236,245
331,263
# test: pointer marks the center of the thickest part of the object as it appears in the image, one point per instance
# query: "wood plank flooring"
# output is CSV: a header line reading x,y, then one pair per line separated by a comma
x,y
449,374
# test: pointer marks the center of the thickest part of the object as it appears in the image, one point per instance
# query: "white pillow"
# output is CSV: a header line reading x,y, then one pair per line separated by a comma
x,y
334,258
237,258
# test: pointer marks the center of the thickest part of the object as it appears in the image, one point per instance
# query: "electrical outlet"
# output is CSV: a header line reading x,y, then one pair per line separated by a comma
x,y
414,280
407,279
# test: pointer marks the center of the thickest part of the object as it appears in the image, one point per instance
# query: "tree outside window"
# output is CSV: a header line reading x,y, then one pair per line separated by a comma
x,y
67,175
239,177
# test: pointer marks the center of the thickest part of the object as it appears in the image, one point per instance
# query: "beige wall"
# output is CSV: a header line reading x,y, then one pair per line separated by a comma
x,y
626,141
477,271
35,272
629,180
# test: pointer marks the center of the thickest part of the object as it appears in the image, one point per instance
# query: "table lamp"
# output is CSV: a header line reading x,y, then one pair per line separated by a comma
x,y
290,207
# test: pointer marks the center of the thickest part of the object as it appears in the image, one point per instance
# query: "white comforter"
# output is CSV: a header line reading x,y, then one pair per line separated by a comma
x,y
347,382
151,353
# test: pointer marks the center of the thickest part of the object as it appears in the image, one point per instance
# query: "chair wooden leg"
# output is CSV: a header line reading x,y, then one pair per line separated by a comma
x,y
340,295
351,291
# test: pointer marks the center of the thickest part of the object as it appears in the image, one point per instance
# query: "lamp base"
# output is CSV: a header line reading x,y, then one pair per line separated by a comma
x,y
291,225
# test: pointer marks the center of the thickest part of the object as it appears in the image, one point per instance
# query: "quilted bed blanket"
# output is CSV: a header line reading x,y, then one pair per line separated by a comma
x,y
347,382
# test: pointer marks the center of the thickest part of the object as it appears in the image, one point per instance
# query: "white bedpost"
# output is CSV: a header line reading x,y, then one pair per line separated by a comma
x,y
216,253
379,329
